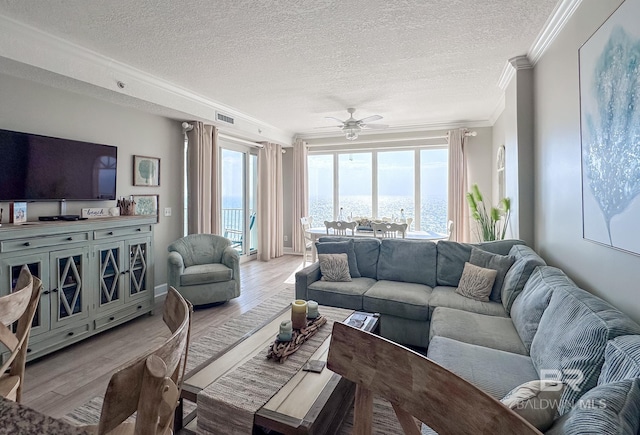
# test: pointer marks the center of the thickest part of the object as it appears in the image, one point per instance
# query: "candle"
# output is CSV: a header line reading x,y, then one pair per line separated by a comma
x,y
286,330
312,309
299,314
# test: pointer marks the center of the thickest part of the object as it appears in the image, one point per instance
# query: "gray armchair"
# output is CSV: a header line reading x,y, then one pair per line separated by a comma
x,y
204,268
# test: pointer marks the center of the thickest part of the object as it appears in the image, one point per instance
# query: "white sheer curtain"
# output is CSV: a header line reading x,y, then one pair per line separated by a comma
x,y
270,202
202,180
458,210
300,193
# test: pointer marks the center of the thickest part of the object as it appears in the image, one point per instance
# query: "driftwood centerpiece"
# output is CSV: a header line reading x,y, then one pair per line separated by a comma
x,y
280,350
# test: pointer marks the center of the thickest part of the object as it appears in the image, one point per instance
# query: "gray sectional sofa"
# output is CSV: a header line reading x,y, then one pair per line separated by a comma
x,y
539,325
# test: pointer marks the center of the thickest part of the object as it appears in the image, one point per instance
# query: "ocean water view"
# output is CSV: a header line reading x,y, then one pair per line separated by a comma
x,y
433,210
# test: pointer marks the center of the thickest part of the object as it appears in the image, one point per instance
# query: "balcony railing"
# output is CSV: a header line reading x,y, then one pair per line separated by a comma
x,y
233,226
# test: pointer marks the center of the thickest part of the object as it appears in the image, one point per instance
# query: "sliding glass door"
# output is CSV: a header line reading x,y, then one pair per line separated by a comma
x,y
238,175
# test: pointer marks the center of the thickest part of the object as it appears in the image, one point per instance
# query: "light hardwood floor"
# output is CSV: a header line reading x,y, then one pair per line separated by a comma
x,y
60,382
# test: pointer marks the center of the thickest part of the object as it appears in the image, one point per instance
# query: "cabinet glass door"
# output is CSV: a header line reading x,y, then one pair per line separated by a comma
x,y
68,284
36,264
110,273
138,268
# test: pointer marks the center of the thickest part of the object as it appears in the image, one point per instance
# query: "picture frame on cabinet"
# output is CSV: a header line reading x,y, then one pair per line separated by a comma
x,y
147,205
18,212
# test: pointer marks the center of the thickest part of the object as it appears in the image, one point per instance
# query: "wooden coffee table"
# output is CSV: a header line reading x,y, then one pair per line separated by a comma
x,y
309,403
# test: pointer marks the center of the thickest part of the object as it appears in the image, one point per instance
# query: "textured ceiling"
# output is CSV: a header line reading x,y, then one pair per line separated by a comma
x,y
290,63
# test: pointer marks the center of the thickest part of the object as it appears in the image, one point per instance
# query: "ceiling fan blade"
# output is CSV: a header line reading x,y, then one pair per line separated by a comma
x,y
370,118
334,119
331,126
374,126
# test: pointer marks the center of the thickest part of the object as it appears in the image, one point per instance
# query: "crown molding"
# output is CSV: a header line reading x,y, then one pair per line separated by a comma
x,y
404,129
31,46
556,22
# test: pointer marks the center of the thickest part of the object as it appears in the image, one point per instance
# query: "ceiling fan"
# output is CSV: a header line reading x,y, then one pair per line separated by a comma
x,y
352,127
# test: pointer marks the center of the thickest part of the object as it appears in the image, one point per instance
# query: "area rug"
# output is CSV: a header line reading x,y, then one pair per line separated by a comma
x,y
218,339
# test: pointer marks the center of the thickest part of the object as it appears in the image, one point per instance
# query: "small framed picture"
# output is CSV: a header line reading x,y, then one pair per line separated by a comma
x,y
146,171
18,212
146,205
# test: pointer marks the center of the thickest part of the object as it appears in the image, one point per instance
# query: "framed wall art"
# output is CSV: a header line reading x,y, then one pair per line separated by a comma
x,y
146,205
610,130
146,171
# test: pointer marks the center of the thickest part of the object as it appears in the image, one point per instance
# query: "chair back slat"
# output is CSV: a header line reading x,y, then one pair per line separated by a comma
x,y
418,386
340,227
19,306
124,389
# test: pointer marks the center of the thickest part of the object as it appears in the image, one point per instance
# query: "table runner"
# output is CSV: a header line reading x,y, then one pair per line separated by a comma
x,y
228,405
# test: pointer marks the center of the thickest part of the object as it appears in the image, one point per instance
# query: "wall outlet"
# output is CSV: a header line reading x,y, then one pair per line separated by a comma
x,y
167,211
286,238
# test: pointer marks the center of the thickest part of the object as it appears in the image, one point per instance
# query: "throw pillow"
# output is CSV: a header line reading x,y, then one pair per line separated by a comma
x,y
500,263
346,247
536,401
334,267
608,409
476,282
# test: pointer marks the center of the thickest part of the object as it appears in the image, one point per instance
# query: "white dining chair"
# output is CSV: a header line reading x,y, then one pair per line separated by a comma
x,y
305,224
389,230
340,228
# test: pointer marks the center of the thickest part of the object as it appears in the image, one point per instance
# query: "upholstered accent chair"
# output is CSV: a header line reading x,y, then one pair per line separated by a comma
x,y
204,268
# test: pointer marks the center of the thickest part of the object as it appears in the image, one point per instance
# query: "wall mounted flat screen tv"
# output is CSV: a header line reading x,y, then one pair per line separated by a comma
x,y
41,168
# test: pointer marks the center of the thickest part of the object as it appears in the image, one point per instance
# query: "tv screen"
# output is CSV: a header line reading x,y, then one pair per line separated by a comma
x,y
41,168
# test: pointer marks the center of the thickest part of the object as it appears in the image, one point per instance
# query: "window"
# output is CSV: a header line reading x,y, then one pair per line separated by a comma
x,y
354,185
396,184
321,188
434,188
408,182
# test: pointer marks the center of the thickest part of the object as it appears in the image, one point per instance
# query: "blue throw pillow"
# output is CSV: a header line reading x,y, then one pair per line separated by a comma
x,y
499,263
341,248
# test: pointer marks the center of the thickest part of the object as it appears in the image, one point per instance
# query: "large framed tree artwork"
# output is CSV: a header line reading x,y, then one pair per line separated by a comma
x,y
610,130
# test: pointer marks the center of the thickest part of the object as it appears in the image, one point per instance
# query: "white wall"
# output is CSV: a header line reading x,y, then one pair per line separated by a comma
x,y
34,108
608,273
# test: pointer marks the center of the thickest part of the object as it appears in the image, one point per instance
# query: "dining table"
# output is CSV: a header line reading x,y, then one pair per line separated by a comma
x,y
318,232
16,418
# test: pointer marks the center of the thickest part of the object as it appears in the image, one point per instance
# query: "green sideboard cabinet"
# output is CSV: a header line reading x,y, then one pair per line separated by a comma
x,y
96,274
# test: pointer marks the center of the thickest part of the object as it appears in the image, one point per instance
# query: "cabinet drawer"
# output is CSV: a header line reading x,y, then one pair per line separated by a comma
x,y
119,232
42,242
58,339
119,316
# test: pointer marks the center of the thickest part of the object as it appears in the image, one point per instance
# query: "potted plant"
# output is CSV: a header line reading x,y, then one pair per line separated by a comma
x,y
492,225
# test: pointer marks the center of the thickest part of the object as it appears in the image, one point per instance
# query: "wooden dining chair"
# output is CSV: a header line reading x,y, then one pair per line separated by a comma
x,y
416,387
150,385
389,230
340,227
20,306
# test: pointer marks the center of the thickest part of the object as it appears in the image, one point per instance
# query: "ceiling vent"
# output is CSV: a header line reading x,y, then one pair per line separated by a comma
x,y
225,118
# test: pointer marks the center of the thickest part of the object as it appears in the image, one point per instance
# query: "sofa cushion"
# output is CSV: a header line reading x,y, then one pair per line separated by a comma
x,y
476,282
340,294
608,409
334,267
572,335
453,255
346,247
534,299
495,372
367,250
518,275
621,359
205,274
447,297
408,261
479,329
497,262
401,299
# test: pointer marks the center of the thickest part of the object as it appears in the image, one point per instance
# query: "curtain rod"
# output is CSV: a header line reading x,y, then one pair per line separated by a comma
x,y
188,127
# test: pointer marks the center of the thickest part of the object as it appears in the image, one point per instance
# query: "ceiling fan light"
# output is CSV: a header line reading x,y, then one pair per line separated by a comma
x,y
352,134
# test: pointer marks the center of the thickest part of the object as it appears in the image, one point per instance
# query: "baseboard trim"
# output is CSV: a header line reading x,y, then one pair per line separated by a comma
x,y
160,290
